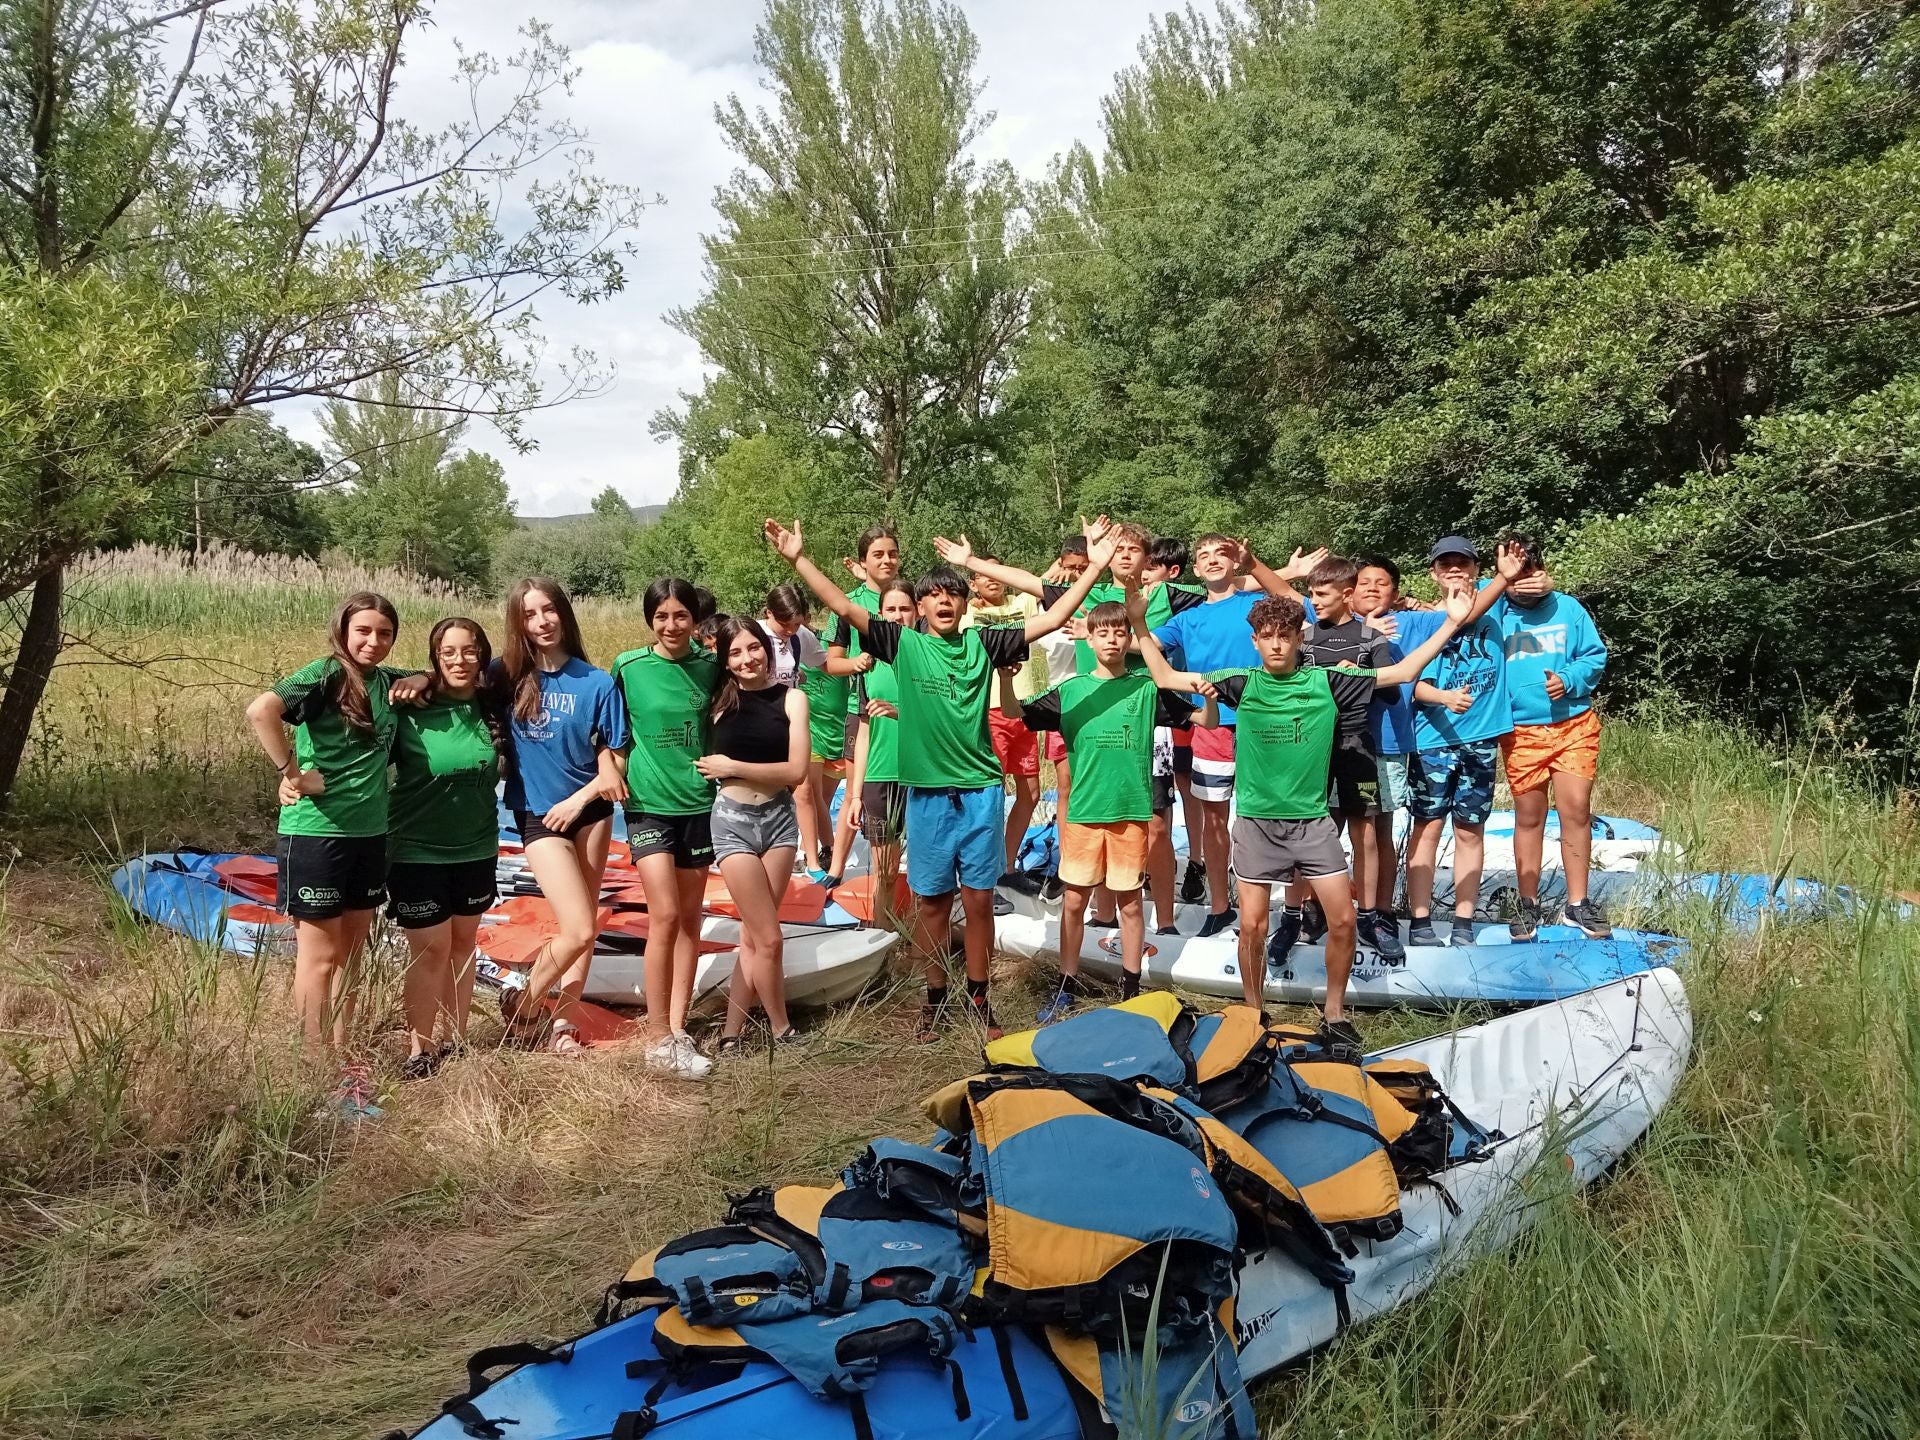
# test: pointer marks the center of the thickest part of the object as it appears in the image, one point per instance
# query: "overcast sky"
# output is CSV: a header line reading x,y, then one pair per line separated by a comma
x,y
651,73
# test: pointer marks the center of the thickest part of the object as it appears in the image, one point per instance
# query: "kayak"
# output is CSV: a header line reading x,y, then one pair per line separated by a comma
x,y
205,897
1566,1090
1493,970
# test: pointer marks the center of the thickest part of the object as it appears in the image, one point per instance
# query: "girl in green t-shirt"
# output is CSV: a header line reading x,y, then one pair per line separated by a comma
x,y
333,816
444,841
876,801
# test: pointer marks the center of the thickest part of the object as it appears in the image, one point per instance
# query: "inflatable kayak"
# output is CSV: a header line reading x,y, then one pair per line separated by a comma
x,y
1493,970
1559,1091
220,900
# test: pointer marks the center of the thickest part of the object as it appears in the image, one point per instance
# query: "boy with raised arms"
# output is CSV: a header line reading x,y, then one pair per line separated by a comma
x,y
875,564
1289,716
1108,719
955,838
1016,745
1555,658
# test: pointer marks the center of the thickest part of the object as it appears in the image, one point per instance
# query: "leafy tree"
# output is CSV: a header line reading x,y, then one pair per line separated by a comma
x,y
610,504
209,208
589,555
863,295
249,485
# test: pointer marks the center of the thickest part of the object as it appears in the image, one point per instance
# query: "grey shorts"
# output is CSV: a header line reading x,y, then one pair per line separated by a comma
x,y
741,829
1395,785
1270,851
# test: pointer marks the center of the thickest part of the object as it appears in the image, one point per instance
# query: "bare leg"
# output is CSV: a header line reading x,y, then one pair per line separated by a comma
x,y
1160,869
355,926
810,812
886,876
665,924
932,933
462,931
1366,857
1469,859
1530,840
317,960
1335,894
1026,795
1254,900
1386,863
1423,849
691,888
1217,843
1073,927
843,833
427,991
750,880
978,907
575,898
1574,796
1133,929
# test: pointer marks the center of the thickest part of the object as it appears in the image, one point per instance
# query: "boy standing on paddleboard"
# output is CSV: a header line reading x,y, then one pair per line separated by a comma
x,y
1555,658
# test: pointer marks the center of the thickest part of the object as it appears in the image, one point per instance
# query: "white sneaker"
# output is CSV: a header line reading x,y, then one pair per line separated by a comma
x,y
678,1056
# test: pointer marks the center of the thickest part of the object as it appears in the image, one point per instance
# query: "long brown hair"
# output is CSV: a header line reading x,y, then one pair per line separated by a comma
x,y
517,658
349,685
489,712
730,628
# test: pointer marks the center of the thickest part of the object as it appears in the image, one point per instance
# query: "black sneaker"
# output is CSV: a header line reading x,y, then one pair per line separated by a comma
x,y
1386,939
1525,924
1168,930
1314,920
1051,888
1286,935
1420,931
423,1065
1225,920
1591,919
1193,883
1463,933
1022,882
1095,924
1343,1043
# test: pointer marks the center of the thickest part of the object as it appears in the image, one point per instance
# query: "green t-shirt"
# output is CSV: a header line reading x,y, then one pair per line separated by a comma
x,y
828,705
353,762
841,633
668,702
883,736
1163,603
1108,726
1285,726
946,686
445,769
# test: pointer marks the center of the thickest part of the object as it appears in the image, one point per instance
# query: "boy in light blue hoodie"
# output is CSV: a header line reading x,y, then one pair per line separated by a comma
x,y
1555,658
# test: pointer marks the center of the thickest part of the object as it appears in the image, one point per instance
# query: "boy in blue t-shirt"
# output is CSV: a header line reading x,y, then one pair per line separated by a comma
x,y
1555,657
1461,710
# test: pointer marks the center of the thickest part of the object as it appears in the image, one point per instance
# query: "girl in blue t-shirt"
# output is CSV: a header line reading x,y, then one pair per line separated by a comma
x,y
565,721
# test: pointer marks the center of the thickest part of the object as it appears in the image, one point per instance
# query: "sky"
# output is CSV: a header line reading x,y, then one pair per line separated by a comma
x,y
651,74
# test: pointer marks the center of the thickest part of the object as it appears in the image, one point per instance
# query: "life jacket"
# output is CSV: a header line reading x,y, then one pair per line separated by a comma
x,y
1144,1038
1063,1250
834,1356
1170,1382
713,1276
1234,1051
927,1177
866,1246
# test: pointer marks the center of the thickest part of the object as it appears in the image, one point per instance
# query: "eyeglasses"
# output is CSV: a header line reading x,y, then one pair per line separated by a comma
x,y
465,652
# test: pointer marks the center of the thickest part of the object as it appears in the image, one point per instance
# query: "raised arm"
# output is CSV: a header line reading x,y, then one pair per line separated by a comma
x,y
959,554
1405,672
1164,675
1099,556
1282,581
786,544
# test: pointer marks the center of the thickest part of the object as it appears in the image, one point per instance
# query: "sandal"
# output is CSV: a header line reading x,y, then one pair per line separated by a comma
x,y
730,1046
788,1036
565,1039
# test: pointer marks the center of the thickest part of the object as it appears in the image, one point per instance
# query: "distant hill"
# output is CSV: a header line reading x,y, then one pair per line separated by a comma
x,y
645,514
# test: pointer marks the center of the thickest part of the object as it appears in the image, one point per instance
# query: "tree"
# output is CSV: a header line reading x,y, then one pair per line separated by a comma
x,y
250,485
610,504
588,555
206,208
862,292
411,501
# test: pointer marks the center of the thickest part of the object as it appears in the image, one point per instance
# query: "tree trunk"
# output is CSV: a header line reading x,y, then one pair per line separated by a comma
x,y
32,668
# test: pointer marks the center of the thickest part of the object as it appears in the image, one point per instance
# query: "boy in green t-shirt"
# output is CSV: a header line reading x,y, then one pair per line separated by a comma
x,y
875,564
1288,716
946,760
1108,720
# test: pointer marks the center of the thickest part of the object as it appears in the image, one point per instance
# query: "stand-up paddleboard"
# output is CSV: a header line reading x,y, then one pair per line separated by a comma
x,y
1493,970
1571,1086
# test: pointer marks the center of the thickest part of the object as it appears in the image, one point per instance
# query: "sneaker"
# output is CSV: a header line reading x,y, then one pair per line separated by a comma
x,y
832,882
1093,924
819,877
1193,883
1386,939
982,1010
1525,924
1052,888
1168,930
1591,919
1225,920
1342,1041
1314,922
1462,933
1420,931
423,1065
352,1097
1001,905
1363,936
679,1057
1058,1008
1286,935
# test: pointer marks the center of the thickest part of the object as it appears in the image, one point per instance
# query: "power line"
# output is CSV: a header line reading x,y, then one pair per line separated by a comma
x,y
772,248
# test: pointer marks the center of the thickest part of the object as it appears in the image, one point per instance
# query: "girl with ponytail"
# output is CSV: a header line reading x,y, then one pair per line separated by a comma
x,y
333,818
445,836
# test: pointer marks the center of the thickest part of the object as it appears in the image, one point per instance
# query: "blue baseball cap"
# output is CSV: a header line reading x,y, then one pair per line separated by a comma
x,y
1453,545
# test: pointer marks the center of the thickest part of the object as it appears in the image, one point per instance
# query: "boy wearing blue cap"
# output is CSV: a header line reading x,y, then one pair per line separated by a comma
x,y
1461,710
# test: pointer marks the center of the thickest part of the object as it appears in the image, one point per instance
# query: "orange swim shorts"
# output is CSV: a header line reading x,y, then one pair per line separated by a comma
x,y
1113,854
1536,753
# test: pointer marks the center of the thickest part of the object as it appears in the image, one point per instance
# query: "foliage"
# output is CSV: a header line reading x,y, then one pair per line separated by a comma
x,y
589,556
412,502
250,485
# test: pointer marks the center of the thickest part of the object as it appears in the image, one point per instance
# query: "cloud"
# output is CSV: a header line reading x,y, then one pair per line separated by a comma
x,y
650,76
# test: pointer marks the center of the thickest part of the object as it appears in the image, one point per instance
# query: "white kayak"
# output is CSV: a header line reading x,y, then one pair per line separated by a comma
x,y
1494,969
1581,1079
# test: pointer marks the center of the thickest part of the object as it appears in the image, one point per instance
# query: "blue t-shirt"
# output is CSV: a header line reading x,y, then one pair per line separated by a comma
x,y
1475,659
1557,635
1390,720
1214,636
580,710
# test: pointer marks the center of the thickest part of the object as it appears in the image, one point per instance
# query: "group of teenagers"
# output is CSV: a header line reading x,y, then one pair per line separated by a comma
x,y
1156,672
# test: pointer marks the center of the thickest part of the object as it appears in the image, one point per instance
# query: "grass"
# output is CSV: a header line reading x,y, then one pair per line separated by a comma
x,y
185,1252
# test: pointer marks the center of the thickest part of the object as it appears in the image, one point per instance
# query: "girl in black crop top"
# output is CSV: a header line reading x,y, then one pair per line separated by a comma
x,y
758,751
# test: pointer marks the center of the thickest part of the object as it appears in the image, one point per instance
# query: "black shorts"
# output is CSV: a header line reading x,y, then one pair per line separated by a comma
x,y
851,733
1353,783
1183,752
883,811
533,828
688,838
422,894
321,877
1163,788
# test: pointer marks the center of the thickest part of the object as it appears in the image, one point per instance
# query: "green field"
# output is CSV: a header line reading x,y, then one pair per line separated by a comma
x,y
186,1253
